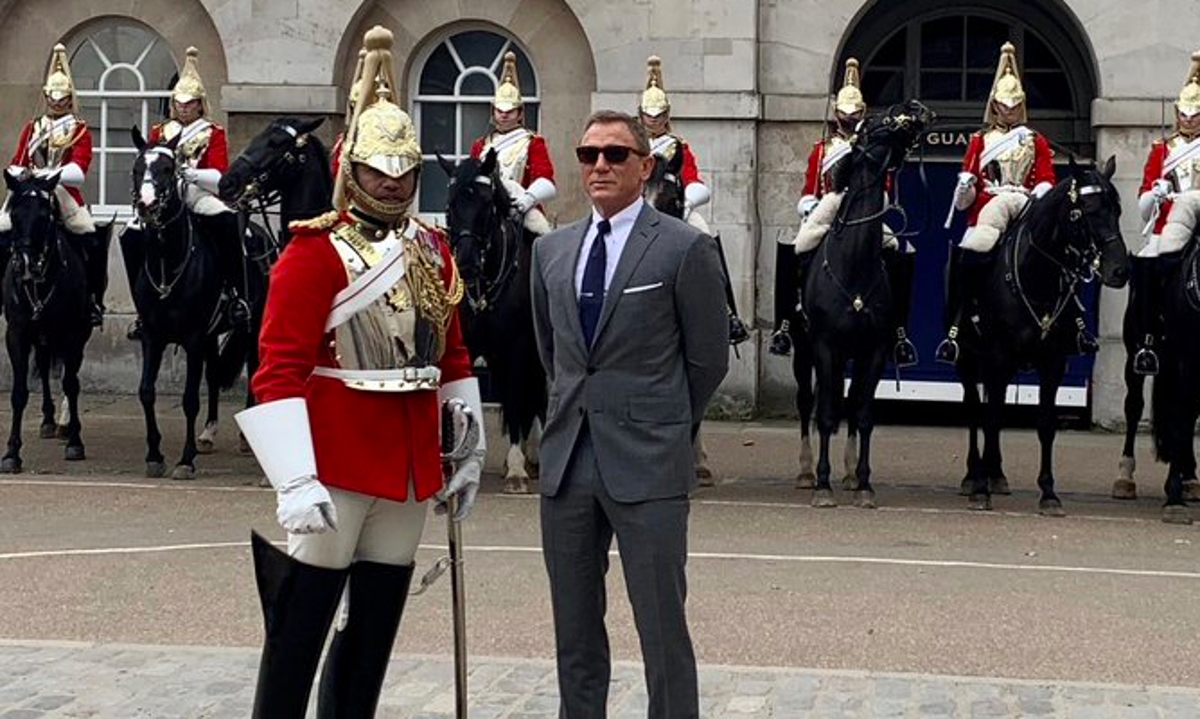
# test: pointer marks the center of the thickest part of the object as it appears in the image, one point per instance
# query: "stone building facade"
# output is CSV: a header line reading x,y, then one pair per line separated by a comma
x,y
749,84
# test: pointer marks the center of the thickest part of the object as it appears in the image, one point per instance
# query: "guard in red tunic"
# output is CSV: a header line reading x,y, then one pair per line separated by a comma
x,y
1006,164
59,142
1169,200
521,154
360,344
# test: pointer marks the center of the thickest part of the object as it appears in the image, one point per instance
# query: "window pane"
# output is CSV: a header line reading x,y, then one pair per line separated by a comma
x,y
437,128
984,39
439,73
475,117
478,48
941,86
979,86
883,87
1048,90
123,113
117,177
433,187
942,43
121,79
532,112
477,84
893,52
1038,56
525,74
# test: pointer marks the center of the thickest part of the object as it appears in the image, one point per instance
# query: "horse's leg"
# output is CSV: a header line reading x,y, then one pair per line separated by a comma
x,y
1182,436
829,382
70,385
49,427
206,442
866,377
196,354
1125,487
1050,374
989,462
152,354
251,369
850,450
18,356
973,407
704,473
802,370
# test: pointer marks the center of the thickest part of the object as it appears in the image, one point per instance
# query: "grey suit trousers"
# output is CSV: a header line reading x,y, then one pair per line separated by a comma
x,y
578,525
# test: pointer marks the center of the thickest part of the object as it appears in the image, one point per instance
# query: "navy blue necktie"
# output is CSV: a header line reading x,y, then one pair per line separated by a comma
x,y
591,290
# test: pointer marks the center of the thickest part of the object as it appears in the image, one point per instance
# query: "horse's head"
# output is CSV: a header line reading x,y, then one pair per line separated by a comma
x,y
477,204
34,225
888,137
272,160
664,189
1091,207
156,185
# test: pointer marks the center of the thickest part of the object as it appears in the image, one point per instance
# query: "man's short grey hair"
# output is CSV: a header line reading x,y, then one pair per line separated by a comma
x,y
641,140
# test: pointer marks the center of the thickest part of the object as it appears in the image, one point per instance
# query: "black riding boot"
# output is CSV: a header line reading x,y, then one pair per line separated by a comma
x,y
787,297
1147,293
901,267
95,253
358,656
299,602
133,255
965,272
223,229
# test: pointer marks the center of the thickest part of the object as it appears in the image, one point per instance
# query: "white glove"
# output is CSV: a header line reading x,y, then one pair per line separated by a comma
x,y
189,175
806,205
524,203
1161,188
964,191
44,172
966,179
15,171
305,507
1040,190
465,484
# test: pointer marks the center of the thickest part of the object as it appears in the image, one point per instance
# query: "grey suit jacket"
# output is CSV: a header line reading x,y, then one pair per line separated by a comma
x,y
660,350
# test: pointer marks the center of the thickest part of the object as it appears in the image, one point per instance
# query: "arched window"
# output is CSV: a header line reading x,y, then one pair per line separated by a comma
x,y
123,75
452,105
946,57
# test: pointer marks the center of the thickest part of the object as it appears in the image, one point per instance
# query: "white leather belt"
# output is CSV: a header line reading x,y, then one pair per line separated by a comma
x,y
405,379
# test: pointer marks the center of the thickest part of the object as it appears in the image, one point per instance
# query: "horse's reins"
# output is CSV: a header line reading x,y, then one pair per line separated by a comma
x,y
482,293
31,279
154,223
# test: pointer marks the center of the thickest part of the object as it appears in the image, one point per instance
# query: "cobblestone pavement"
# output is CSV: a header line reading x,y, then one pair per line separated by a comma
x,y
41,680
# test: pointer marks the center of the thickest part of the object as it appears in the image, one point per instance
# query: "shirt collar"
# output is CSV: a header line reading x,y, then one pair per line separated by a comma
x,y
625,217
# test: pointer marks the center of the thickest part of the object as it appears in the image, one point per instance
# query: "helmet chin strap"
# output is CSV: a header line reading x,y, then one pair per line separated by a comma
x,y
390,212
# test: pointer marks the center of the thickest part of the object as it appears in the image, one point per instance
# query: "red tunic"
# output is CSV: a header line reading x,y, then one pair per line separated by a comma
x,y
368,442
1041,171
1152,172
690,172
537,160
215,155
80,152
813,182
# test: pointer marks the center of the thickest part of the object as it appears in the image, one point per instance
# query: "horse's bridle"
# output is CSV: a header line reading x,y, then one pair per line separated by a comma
x,y
482,293
154,223
262,192
33,271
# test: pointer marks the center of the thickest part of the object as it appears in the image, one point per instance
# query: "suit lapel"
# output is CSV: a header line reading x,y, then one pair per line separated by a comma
x,y
567,293
643,234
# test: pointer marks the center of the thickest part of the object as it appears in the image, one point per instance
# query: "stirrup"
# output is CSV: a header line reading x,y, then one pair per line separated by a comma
x,y
1085,341
1145,362
947,350
904,354
737,330
96,314
134,332
781,340
239,312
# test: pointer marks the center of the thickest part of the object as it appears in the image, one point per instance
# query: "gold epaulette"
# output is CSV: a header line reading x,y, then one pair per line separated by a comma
x,y
320,222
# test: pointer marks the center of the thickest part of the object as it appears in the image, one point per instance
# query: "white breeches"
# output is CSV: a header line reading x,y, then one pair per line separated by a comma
x,y
75,217
203,202
814,227
369,528
1181,224
993,220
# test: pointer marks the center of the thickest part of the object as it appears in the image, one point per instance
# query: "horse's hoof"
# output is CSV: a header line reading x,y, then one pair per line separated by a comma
x,y
806,480
243,445
980,503
61,431
999,485
533,469
849,483
1124,489
205,446
823,499
966,487
1051,508
183,471
156,470
1191,491
74,453
10,465
516,485
1176,514
865,499
48,431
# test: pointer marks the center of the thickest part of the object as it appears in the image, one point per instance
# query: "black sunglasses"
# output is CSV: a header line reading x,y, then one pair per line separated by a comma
x,y
613,154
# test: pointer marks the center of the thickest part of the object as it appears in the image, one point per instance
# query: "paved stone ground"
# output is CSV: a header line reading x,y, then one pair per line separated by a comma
x,y
41,680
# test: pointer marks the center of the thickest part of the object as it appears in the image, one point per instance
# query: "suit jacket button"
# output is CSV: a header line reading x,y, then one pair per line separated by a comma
x,y
591,370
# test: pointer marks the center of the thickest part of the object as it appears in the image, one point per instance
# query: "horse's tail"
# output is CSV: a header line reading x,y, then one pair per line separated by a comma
x,y
1163,419
232,357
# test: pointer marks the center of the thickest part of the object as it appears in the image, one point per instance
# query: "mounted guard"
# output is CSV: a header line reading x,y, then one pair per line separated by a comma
x,y
524,160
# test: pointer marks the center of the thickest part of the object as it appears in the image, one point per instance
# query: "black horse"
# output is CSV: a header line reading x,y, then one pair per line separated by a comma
x,y
847,296
1025,290
47,306
1176,395
177,292
287,166
494,253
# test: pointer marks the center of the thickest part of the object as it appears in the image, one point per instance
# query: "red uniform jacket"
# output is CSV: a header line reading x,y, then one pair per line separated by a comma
x,y
537,160
814,184
690,172
215,156
368,442
80,153
1041,171
1152,172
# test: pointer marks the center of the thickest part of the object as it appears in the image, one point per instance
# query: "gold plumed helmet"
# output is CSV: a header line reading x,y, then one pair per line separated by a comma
x,y
1006,87
508,92
1188,102
58,80
654,98
380,134
849,99
352,98
189,86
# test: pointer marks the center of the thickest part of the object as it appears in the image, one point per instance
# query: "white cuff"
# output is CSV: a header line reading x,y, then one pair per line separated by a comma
x,y
542,189
964,196
696,194
806,205
1146,203
281,437
70,175
467,389
208,179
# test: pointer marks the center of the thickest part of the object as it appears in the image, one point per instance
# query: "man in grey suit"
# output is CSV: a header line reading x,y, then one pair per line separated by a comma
x,y
630,318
